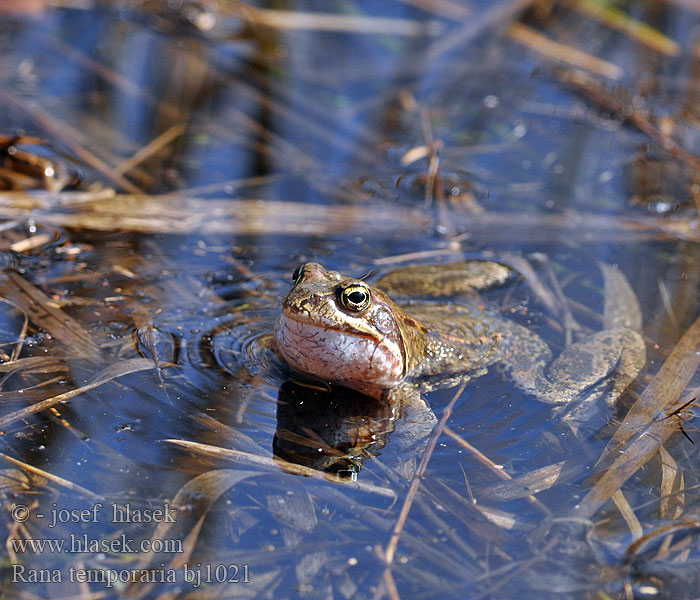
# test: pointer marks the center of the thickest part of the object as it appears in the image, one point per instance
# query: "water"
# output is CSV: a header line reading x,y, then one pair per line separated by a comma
x,y
288,145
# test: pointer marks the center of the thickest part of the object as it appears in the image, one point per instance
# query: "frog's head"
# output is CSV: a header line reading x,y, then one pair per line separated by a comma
x,y
341,330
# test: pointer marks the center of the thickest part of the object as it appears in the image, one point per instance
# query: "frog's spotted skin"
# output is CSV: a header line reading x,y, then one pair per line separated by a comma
x,y
445,280
344,331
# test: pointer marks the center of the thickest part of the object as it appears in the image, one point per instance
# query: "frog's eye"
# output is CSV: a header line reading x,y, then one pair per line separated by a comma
x,y
355,297
296,276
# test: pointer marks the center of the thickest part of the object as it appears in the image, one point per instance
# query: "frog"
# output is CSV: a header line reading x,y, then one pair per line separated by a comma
x,y
343,331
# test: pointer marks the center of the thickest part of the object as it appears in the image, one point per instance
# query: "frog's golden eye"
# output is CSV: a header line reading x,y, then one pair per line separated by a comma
x,y
298,272
355,297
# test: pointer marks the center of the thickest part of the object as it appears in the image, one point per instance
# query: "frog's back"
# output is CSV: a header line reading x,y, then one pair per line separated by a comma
x,y
455,340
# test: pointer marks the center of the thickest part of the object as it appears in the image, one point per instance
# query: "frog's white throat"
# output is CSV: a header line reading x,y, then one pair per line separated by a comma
x,y
351,359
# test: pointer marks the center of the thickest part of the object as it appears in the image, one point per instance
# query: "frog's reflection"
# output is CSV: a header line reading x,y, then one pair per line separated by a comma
x,y
332,431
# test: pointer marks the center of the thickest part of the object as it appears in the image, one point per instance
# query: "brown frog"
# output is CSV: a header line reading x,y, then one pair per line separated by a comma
x,y
343,331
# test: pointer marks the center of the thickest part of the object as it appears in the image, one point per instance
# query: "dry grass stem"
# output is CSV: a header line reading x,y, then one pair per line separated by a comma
x,y
638,545
495,469
155,146
31,243
562,53
175,214
670,501
119,369
453,250
391,547
616,19
65,483
314,21
640,436
628,514
275,464
42,313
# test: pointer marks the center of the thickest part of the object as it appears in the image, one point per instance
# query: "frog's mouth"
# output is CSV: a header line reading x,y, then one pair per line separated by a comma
x,y
347,358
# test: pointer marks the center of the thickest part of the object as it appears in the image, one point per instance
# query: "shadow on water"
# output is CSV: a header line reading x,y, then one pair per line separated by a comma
x,y
176,163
